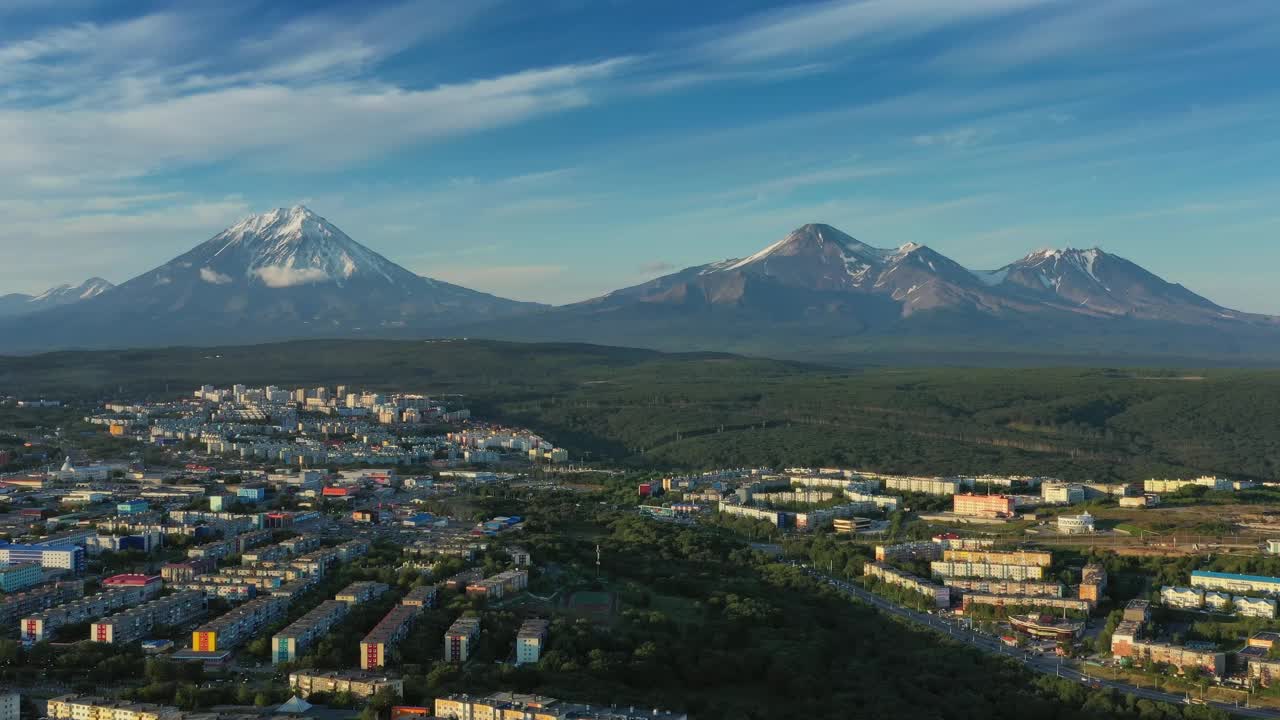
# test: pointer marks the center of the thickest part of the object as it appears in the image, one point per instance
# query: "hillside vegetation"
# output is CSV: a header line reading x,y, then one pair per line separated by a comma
x,y
704,410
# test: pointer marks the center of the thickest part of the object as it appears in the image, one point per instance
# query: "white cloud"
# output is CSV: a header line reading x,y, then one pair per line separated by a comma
x,y
821,26
213,277
958,138
276,276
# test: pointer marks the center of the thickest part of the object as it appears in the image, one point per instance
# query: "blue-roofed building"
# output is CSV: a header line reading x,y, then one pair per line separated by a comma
x,y
65,557
1233,582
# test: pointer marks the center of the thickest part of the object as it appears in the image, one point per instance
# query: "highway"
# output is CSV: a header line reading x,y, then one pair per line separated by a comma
x,y
1033,661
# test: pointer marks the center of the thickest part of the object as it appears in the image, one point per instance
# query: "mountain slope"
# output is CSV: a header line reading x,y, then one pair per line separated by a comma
x,y
288,273
21,304
819,292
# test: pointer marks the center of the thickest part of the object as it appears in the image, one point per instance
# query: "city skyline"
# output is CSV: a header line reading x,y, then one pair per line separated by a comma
x,y
557,154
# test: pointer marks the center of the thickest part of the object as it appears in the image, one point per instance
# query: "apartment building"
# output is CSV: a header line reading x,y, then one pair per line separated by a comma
x,y
422,596
14,578
299,635
10,702
924,486
1169,486
136,622
361,592
1093,583
378,646
523,706
1054,493
1232,582
923,550
1183,598
24,603
498,586
993,557
42,625
229,631
460,637
1255,607
1025,601
887,503
1138,611
1179,656
359,684
940,594
994,571
988,506
773,517
530,640
80,707
1005,587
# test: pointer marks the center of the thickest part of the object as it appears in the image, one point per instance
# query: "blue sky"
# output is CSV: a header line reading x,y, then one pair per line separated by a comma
x,y
556,149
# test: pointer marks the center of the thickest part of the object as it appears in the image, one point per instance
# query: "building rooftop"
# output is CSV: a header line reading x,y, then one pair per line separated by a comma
x,y
1234,576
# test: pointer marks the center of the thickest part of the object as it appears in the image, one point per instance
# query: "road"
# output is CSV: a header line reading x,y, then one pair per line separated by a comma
x,y
1039,663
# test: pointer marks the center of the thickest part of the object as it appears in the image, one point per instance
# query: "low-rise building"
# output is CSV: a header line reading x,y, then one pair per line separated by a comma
x,y
422,596
1138,611
359,684
1255,607
1182,598
1081,524
1232,582
1056,493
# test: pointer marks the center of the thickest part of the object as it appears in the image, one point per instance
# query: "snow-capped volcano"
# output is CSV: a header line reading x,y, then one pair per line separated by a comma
x,y
287,247
818,289
286,273
21,304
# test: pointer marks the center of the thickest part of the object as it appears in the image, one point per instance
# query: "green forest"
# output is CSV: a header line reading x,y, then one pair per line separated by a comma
x,y
648,409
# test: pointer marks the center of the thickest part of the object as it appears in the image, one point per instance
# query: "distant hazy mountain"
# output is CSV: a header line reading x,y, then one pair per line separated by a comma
x,y
820,292
288,273
20,303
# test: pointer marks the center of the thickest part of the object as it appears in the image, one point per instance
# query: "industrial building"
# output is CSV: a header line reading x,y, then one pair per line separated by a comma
x,y
136,622
377,647
460,638
530,640
303,632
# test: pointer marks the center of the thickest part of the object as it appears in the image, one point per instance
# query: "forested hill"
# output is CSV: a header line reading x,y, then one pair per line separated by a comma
x,y
705,410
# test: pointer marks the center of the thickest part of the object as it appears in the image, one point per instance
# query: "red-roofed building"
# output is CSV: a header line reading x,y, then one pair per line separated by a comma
x,y
338,492
132,580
